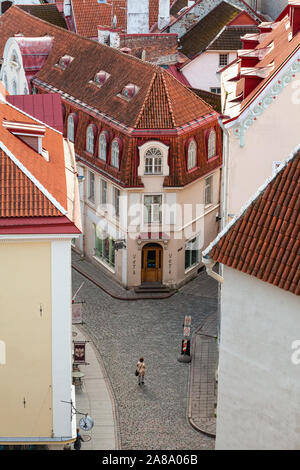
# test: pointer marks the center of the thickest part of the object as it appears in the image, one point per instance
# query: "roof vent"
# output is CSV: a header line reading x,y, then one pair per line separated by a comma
x,y
129,91
101,77
64,61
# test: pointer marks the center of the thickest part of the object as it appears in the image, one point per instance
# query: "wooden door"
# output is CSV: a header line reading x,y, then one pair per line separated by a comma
x,y
152,263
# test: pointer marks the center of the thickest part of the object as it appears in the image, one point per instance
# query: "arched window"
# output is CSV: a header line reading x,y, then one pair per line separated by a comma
x,y
115,151
71,128
153,161
211,145
192,155
102,147
90,139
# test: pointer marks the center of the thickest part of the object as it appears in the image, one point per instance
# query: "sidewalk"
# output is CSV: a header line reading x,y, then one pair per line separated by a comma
x,y
107,284
96,399
203,386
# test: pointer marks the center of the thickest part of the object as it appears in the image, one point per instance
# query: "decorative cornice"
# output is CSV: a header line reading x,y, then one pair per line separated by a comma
x,y
282,81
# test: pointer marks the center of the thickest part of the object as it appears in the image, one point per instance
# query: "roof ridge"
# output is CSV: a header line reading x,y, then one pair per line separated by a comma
x,y
168,97
145,100
92,41
32,178
190,91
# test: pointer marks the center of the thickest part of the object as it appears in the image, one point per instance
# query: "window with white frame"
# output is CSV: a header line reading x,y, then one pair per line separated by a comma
x,y
116,201
115,151
216,90
103,192
192,253
223,60
91,187
102,147
211,144
153,161
153,209
104,247
208,190
71,128
192,155
90,139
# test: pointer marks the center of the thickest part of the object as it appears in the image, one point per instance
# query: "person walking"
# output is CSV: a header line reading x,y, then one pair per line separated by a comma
x,y
77,443
141,367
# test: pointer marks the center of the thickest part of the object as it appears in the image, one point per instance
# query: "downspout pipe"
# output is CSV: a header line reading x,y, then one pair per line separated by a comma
x,y
209,264
225,172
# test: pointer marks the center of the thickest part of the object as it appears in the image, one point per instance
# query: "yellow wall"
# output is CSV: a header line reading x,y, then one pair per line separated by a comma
x,y
25,284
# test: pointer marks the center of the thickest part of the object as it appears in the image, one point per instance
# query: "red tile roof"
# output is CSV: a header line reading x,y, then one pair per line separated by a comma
x,y
44,107
50,174
176,103
19,195
265,240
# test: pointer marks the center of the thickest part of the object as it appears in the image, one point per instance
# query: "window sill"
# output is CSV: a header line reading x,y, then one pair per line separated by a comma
x,y
103,263
188,270
207,206
192,170
211,159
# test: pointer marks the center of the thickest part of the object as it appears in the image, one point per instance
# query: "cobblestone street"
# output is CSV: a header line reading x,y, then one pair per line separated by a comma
x,y
153,416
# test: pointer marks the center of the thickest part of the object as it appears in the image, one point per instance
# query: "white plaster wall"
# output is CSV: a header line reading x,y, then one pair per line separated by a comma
x,y
259,387
273,8
202,71
61,337
137,16
12,73
265,142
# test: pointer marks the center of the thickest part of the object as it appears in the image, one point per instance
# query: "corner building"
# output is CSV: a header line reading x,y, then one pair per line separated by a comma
x,y
148,153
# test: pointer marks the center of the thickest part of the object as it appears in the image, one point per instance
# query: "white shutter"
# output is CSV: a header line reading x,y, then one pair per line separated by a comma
x,y
170,209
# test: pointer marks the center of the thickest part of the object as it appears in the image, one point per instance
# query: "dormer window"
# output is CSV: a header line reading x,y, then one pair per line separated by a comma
x,y
101,77
153,161
91,134
192,155
129,91
211,144
103,141
64,61
115,154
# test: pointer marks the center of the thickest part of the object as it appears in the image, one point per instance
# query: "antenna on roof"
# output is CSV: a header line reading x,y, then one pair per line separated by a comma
x,y
114,22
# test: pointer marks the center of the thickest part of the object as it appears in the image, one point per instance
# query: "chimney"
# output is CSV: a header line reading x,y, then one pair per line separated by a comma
x,y
164,13
67,8
137,16
294,14
109,36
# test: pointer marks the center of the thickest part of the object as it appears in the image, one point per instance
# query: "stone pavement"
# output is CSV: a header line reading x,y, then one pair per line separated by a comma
x,y
203,386
95,398
154,416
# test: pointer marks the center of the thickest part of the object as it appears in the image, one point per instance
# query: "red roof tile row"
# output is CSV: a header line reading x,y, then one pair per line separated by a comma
x,y
265,241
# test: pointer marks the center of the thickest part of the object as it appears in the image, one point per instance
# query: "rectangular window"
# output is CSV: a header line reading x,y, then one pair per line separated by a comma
x,y
223,60
192,253
208,190
91,188
216,90
103,192
152,209
116,201
104,247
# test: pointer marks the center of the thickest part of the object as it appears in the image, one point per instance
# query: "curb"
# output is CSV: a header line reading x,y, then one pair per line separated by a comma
x,y
190,419
114,296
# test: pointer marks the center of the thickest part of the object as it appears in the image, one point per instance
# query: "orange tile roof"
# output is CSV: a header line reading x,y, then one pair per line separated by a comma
x,y
89,14
19,195
265,240
50,174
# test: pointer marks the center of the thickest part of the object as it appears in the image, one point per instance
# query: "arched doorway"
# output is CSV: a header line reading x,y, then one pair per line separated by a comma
x,y
152,262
